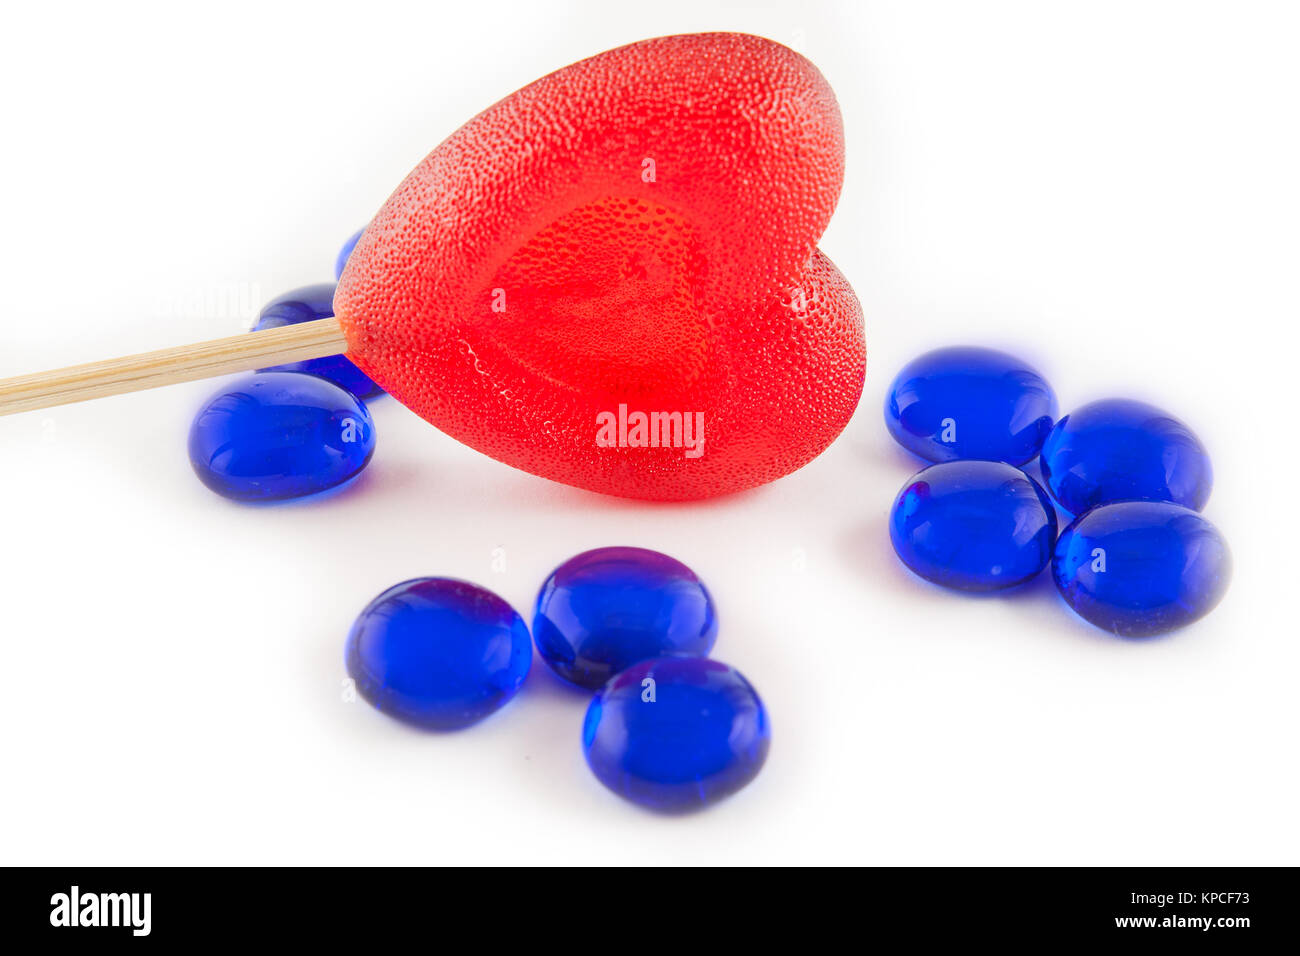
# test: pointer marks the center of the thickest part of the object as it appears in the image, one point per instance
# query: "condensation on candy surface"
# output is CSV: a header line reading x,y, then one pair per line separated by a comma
x,y
973,525
676,733
970,403
1139,568
438,653
637,229
309,304
604,610
1122,450
278,435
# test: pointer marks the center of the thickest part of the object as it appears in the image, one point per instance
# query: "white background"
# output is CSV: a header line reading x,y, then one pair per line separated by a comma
x,y
1110,189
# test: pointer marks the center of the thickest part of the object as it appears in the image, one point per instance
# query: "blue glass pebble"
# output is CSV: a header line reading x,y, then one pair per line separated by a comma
x,y
307,305
438,653
1138,568
346,253
676,733
603,610
970,403
1122,450
280,435
973,525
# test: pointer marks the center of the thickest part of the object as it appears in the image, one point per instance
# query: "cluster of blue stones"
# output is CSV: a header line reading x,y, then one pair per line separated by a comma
x,y
1136,557
668,728
291,430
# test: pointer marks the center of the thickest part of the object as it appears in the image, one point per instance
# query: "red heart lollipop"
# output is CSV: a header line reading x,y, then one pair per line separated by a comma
x,y
610,278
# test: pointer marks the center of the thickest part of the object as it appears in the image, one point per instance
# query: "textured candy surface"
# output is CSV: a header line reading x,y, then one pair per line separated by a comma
x,y
676,733
279,435
638,229
1121,450
1138,568
438,653
604,610
307,305
973,525
970,403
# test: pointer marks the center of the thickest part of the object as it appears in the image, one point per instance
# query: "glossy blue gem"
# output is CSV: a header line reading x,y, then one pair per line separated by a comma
x,y
307,305
1138,568
970,403
604,610
973,525
1121,450
676,733
438,653
280,435
346,253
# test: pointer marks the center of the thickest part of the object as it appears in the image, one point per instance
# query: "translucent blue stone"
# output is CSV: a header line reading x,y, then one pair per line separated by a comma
x,y
346,253
438,653
973,525
970,403
1122,450
280,435
1138,568
604,610
307,305
676,733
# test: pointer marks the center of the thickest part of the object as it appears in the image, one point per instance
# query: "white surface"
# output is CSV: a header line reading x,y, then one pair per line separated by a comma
x,y
1110,189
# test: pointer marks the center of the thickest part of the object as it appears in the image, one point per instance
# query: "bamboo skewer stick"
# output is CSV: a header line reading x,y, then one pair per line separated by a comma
x,y
182,363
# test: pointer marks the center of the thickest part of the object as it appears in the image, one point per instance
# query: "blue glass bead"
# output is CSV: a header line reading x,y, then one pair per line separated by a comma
x,y
603,610
438,653
307,305
970,403
280,435
676,733
346,253
1138,568
1121,450
973,525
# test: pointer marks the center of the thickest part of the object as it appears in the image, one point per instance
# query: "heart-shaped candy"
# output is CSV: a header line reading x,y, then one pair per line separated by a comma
x,y
610,278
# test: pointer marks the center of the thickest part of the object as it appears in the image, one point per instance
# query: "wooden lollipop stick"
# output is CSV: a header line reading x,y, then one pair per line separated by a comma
x,y
184,363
